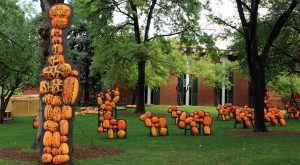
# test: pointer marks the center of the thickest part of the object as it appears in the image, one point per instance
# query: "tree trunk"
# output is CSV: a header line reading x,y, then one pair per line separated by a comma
x,y
2,112
259,86
134,93
141,87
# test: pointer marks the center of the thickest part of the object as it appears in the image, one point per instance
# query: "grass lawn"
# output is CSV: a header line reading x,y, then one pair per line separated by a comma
x,y
176,148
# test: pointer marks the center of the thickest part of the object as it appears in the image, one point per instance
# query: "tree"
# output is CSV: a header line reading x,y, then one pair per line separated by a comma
x,y
139,17
258,48
17,52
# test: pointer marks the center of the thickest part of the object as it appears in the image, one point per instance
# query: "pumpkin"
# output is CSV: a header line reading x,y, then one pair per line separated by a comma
x,y
174,114
56,114
100,129
238,119
101,119
108,108
74,73
56,59
46,158
178,112
169,110
50,126
60,10
191,115
64,127
48,72
143,117
116,99
193,124
154,119
47,139
188,120
195,130
275,122
103,106
107,116
106,124
107,97
113,121
121,134
148,122
55,151
59,23
66,112
148,114
121,124
48,112
207,121
162,122
56,101
247,124
181,124
47,150
56,32
183,116
206,130
64,149
63,139
60,159
47,99
56,86
282,122
57,40
163,131
107,103
35,124
116,92
99,101
64,69
174,108
44,87
57,49
153,131
70,90
110,134
112,105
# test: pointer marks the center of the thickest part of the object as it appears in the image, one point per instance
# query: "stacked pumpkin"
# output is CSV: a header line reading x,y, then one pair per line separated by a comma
x,y
275,116
155,124
106,122
59,90
293,105
245,116
35,123
227,111
174,113
194,118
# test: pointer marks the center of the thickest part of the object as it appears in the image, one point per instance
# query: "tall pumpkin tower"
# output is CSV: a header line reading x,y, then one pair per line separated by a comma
x,y
58,92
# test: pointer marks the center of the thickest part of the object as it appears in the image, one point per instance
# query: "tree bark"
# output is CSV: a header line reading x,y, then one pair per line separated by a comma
x,y
141,88
134,93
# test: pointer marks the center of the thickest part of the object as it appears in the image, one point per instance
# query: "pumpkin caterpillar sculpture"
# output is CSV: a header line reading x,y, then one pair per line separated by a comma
x,y
58,90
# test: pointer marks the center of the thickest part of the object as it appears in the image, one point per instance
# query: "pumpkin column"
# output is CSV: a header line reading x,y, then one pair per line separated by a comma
x,y
58,90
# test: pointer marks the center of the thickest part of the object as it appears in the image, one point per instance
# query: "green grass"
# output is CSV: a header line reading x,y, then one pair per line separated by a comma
x,y
176,148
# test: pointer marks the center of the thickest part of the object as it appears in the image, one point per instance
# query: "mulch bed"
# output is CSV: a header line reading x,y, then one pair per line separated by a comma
x,y
268,133
81,153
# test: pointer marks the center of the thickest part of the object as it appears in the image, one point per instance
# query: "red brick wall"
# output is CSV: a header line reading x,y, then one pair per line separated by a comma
x,y
168,93
31,91
125,96
206,94
240,91
275,100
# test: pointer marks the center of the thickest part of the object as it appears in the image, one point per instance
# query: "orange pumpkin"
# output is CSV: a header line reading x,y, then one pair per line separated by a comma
x,y
64,70
47,139
44,87
50,126
121,134
46,158
48,112
193,124
113,121
60,10
56,59
174,114
183,116
247,124
195,130
162,122
174,108
64,127
74,73
106,124
148,122
103,106
56,86
108,108
56,32
148,114
60,159
113,105
188,120
163,131
47,150
55,151
70,90
63,139
178,112
116,99
64,149
66,112
107,116
181,124
59,23
121,124
207,121
56,140
154,119
206,130
100,129
107,97
57,49
116,92
47,99
56,114
282,122
143,117
57,40
153,131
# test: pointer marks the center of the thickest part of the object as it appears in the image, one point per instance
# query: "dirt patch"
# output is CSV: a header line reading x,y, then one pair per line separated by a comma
x,y
268,133
80,153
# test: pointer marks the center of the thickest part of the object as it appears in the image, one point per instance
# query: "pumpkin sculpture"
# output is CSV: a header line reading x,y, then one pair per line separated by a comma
x,y
154,124
54,92
106,120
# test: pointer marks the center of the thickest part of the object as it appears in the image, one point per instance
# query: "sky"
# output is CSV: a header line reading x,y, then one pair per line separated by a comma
x,y
224,9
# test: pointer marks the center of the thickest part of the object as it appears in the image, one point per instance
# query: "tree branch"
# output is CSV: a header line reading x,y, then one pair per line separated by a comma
x,y
120,11
246,6
241,13
277,27
287,54
14,42
136,22
229,25
149,18
166,35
